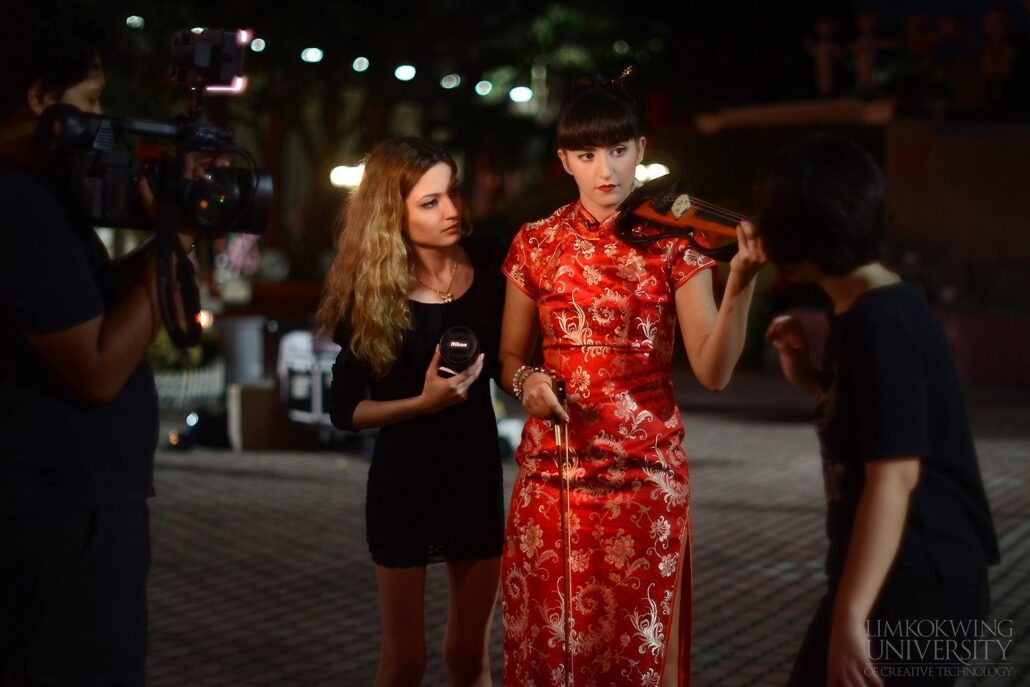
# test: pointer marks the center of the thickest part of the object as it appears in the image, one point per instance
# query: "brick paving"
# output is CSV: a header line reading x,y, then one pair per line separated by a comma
x,y
261,576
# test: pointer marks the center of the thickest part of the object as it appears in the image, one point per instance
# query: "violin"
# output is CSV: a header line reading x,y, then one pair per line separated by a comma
x,y
659,209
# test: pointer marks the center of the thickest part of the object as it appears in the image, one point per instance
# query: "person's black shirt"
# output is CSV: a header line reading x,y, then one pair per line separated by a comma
x,y
890,390
57,452
435,490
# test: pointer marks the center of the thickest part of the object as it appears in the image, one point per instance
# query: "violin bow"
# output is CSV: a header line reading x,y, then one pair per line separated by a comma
x,y
659,209
561,440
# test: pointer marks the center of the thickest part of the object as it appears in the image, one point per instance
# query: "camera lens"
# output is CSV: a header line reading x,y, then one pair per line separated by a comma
x,y
459,348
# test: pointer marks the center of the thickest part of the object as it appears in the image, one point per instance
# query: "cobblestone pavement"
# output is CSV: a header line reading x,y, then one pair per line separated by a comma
x,y
261,576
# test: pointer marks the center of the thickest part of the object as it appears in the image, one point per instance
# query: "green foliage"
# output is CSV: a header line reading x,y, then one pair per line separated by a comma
x,y
165,355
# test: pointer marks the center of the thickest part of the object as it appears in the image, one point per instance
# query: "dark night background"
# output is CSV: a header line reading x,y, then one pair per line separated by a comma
x,y
260,572
692,60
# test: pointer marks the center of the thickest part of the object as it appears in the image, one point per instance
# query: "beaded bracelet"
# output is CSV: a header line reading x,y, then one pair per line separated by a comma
x,y
522,374
518,379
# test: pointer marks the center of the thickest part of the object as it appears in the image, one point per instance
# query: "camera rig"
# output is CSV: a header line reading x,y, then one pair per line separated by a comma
x,y
105,174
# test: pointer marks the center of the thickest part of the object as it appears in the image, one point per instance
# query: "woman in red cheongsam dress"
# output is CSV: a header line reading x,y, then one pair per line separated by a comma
x,y
607,311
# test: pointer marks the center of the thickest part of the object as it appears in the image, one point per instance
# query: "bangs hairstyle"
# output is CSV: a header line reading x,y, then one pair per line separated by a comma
x,y
371,275
823,201
597,114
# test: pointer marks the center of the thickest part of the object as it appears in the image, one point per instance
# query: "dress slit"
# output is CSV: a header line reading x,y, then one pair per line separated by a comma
x,y
684,596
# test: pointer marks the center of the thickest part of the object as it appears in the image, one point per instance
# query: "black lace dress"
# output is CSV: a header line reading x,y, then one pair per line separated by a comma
x,y
434,485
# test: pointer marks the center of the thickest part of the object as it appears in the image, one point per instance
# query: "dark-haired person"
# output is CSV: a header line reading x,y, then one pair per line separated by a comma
x,y
608,312
910,530
78,410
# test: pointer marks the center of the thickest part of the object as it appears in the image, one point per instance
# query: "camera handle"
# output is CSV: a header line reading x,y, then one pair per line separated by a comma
x,y
167,243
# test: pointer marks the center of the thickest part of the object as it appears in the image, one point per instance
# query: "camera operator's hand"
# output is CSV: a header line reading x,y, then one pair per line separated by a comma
x,y
193,169
198,169
151,206
440,392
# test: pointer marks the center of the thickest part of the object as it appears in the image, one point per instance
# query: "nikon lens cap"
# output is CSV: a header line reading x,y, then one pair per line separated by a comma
x,y
459,348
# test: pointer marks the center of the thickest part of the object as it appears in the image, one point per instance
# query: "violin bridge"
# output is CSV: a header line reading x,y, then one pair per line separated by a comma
x,y
681,205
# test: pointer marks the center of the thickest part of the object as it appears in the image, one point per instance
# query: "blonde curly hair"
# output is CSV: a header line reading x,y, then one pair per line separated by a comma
x,y
373,271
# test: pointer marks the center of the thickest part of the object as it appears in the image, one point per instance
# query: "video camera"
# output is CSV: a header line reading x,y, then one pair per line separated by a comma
x,y
105,173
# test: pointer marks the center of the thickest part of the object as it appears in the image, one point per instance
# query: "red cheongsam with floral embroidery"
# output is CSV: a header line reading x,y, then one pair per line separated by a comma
x,y
607,315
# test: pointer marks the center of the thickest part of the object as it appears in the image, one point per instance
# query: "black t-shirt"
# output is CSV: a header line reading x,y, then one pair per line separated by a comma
x,y
891,391
58,452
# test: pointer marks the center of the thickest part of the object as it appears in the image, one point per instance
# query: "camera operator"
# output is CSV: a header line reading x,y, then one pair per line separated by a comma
x,y
78,408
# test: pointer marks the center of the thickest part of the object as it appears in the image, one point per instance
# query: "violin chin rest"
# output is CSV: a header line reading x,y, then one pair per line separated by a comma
x,y
661,190
660,194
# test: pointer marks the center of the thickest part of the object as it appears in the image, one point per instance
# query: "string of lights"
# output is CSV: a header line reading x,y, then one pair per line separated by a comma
x,y
404,72
344,176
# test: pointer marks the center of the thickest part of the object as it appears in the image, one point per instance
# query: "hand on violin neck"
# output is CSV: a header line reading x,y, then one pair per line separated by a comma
x,y
750,257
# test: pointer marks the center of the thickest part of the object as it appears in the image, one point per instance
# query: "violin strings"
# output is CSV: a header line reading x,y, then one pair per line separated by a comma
x,y
716,210
721,212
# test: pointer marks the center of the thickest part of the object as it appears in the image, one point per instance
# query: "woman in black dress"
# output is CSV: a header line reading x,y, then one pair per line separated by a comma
x,y
405,272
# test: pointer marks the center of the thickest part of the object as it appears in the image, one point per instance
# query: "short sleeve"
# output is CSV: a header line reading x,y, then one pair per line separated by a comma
x,y
685,262
522,264
47,283
349,386
888,381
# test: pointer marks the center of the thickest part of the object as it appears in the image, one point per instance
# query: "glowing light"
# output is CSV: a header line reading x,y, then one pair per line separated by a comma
x,y
405,72
198,30
360,64
484,88
657,170
205,319
173,438
243,37
192,419
521,94
135,22
258,45
450,81
620,47
238,85
645,173
346,177
312,55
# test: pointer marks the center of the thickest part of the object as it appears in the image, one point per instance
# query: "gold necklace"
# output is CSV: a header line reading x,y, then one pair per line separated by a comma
x,y
447,295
